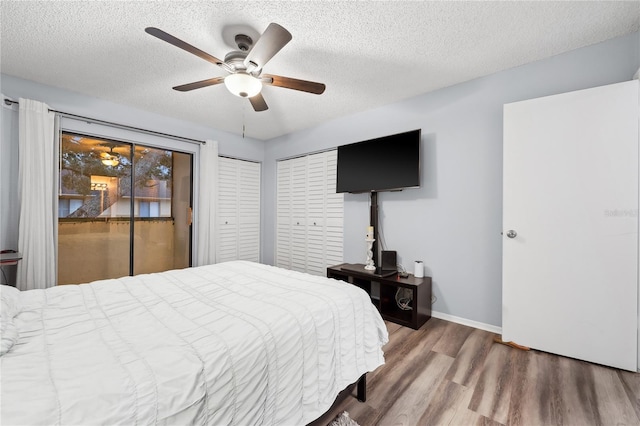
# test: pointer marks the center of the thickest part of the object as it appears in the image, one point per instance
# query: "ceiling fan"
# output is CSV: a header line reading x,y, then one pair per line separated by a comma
x,y
109,158
245,65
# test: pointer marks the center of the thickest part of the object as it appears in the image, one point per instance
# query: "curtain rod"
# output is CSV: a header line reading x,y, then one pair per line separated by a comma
x,y
8,101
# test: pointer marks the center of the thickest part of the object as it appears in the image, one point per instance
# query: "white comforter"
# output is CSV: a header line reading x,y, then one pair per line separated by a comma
x,y
237,343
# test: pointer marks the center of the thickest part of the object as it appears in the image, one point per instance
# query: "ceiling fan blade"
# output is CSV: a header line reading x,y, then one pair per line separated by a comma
x,y
294,83
182,45
274,38
258,103
199,84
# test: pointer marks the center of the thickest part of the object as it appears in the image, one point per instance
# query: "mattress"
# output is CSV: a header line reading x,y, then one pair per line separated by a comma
x,y
236,343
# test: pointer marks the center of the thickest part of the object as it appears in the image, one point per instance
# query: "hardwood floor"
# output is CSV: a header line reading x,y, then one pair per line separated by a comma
x,y
450,374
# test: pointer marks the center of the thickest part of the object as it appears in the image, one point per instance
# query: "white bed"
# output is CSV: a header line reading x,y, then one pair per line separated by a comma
x,y
236,343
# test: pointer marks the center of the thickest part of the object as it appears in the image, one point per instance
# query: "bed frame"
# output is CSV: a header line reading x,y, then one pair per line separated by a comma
x,y
362,388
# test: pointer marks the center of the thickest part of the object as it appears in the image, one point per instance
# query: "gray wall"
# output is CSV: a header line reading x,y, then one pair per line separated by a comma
x,y
453,222
75,103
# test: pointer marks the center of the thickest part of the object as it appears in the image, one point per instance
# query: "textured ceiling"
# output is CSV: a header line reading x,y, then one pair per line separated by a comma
x,y
367,53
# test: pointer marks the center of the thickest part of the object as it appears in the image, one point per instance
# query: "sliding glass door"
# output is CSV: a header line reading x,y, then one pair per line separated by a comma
x,y
162,207
123,209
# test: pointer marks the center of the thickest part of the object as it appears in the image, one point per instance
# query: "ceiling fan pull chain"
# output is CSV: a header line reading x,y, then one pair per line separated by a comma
x,y
243,110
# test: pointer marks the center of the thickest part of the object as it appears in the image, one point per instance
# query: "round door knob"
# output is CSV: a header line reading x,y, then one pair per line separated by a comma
x,y
511,233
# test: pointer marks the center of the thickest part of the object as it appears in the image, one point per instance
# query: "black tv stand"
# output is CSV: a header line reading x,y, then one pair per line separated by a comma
x,y
420,308
378,273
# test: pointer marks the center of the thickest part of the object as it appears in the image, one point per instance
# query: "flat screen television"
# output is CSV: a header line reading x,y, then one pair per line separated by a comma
x,y
382,164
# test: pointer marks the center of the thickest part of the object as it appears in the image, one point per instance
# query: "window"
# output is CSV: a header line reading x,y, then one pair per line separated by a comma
x,y
111,191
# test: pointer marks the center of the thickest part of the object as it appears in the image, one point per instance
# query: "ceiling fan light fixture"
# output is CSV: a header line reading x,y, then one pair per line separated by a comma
x,y
110,162
109,159
243,85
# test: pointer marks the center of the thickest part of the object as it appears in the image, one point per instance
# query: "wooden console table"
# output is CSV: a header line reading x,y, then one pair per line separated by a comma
x,y
420,310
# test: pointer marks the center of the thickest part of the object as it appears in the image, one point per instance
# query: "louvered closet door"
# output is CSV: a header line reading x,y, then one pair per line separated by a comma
x,y
284,200
316,183
334,213
298,214
309,214
249,211
238,233
227,210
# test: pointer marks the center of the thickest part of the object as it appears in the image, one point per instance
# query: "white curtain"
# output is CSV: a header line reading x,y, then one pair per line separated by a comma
x,y
205,225
37,185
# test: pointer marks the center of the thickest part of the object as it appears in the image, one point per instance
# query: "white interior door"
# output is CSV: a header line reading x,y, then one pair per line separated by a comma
x,y
570,275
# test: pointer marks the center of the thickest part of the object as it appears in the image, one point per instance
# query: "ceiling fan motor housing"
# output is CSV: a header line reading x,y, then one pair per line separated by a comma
x,y
235,60
244,42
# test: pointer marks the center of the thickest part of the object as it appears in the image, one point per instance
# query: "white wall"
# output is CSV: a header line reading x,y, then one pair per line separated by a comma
x,y
75,103
453,222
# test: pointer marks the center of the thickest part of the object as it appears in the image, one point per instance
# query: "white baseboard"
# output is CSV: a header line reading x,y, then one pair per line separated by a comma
x,y
467,322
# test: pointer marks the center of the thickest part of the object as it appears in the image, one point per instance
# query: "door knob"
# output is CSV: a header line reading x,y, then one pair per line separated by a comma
x,y
511,233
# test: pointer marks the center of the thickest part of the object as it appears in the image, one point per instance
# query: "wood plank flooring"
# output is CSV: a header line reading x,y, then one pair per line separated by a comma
x,y
449,374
